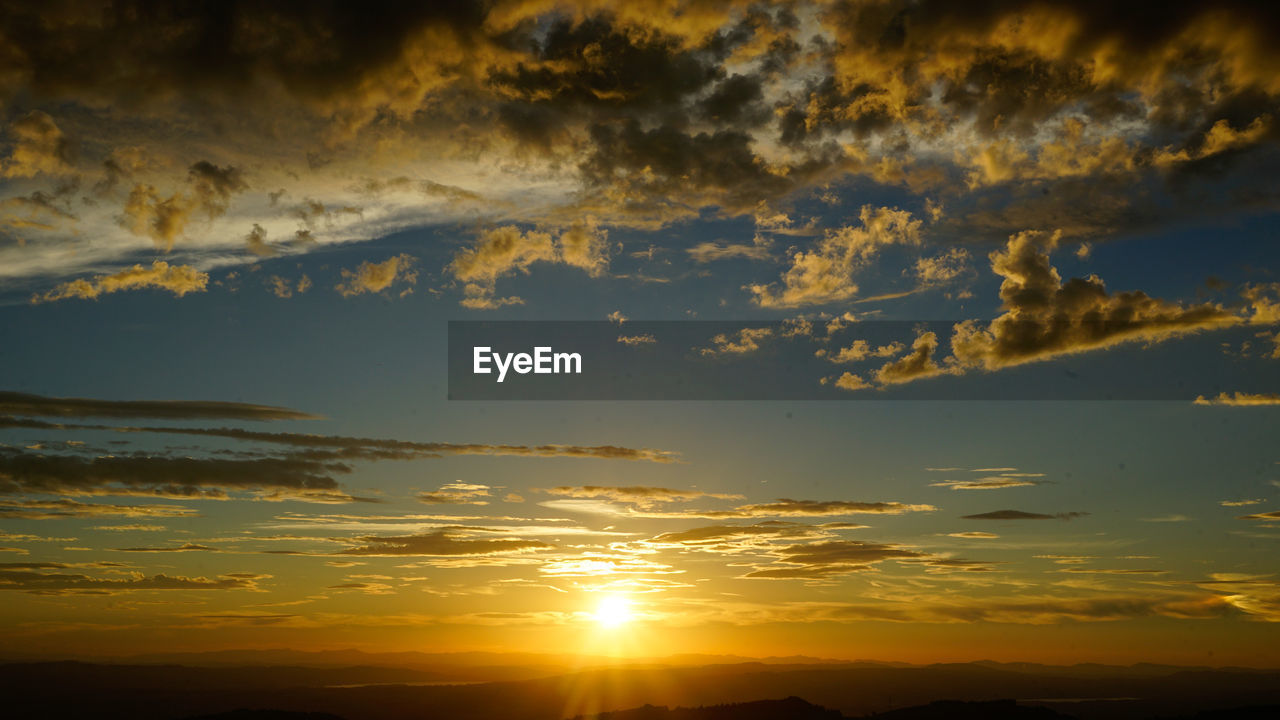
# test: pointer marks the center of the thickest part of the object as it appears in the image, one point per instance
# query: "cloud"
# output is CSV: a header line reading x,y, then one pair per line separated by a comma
x,y
820,560
442,543
39,148
634,340
1241,503
330,447
1045,317
506,250
457,493
14,403
56,583
974,535
785,507
1272,516
942,268
373,277
709,251
285,289
723,538
861,350
917,364
177,279
648,117
209,189
1240,399
54,509
1021,515
185,547
161,476
256,242
994,482
849,381
746,340
824,274
643,496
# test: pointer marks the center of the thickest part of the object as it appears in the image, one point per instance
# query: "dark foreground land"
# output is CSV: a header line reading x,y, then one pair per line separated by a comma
x,y
411,686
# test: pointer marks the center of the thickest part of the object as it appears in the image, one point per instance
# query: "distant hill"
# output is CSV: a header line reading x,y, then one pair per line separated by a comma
x,y
792,708
70,690
1260,712
266,715
952,710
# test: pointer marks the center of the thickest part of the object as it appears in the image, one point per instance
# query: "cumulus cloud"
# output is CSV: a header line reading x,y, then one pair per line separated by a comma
x,y
861,350
177,279
849,381
506,250
371,277
917,364
209,189
745,341
39,148
1045,317
825,273
942,268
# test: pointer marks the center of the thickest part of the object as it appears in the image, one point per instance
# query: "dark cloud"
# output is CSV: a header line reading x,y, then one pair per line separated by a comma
x,y
917,364
665,169
1021,515
440,544
318,447
15,403
58,583
63,508
716,535
784,507
134,53
825,559
161,476
1046,317
186,547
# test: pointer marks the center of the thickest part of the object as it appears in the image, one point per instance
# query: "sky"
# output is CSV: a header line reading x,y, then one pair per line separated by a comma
x,y
1005,271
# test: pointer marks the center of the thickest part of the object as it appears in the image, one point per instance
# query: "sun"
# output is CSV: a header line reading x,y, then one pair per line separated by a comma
x,y
613,611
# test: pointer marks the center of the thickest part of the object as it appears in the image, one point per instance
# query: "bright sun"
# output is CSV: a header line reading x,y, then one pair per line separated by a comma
x,y
613,611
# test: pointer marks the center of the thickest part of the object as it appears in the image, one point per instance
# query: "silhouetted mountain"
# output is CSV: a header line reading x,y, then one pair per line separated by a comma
x,y
53,691
1259,712
792,708
266,715
952,710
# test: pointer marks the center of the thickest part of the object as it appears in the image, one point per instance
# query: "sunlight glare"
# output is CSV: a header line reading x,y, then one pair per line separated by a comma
x,y
613,611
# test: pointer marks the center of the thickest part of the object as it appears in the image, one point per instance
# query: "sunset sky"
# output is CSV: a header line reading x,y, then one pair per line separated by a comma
x,y
232,237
